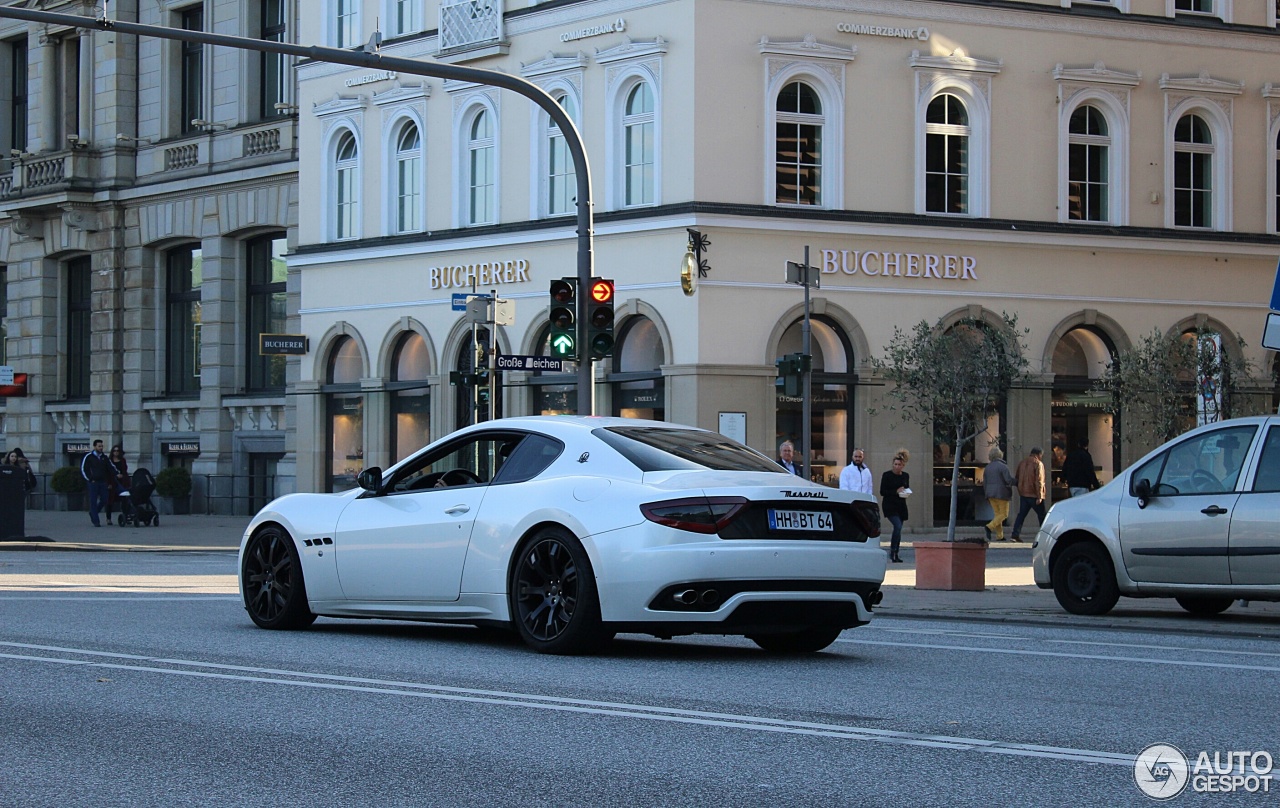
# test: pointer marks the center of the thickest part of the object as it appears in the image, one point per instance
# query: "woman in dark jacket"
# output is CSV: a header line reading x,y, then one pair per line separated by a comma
x,y
119,481
18,459
895,485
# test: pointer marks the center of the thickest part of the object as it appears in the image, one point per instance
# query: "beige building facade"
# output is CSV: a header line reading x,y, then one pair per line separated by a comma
x,y
1102,170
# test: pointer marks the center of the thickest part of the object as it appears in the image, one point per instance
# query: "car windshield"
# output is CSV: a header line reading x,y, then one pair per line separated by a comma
x,y
663,449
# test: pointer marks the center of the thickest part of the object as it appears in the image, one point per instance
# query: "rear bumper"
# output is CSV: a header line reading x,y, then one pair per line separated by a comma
x,y
759,585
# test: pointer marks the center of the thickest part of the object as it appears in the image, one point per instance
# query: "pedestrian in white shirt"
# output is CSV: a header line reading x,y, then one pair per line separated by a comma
x,y
856,476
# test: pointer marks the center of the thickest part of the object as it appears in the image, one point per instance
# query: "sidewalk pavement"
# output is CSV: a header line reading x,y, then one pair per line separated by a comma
x,y
1010,595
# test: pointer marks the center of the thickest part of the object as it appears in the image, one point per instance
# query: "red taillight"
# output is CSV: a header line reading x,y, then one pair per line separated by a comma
x,y
867,515
695,514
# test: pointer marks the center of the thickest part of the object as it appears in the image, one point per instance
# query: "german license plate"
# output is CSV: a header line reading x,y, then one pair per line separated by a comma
x,y
799,520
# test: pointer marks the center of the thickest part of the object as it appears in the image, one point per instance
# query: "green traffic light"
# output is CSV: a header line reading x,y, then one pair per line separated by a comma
x,y
562,346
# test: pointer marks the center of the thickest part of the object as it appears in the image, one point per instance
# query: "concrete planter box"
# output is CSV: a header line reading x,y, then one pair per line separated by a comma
x,y
951,565
170,506
77,501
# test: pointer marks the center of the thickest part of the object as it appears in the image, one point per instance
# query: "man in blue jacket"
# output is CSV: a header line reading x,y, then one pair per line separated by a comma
x,y
96,470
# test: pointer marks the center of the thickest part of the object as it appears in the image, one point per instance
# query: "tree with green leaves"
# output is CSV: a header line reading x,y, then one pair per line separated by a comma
x,y
953,378
1168,383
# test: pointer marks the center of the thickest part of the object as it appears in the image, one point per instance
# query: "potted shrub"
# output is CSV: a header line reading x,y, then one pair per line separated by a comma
x,y
69,485
173,487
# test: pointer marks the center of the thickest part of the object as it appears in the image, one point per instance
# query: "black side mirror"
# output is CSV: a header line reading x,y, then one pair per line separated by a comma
x,y
370,479
1143,490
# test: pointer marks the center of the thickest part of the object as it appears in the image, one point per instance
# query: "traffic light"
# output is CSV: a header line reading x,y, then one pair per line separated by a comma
x,y
564,305
600,318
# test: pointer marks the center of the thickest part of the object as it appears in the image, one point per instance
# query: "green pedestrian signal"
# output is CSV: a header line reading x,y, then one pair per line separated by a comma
x,y
563,318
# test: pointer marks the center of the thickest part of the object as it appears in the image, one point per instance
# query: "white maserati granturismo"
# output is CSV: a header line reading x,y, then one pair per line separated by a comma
x,y
570,530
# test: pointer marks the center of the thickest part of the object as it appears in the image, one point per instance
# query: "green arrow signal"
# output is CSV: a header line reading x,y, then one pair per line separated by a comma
x,y
562,345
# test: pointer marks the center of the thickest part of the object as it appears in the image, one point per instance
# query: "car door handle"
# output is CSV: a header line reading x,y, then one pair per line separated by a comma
x,y
1214,510
457,509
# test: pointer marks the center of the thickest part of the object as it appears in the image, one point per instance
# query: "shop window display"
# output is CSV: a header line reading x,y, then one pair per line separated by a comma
x,y
345,411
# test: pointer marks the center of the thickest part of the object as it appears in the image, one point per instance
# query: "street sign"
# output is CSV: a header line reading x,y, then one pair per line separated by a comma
x,y
1275,291
802,275
524,362
460,300
504,311
6,374
478,310
1271,333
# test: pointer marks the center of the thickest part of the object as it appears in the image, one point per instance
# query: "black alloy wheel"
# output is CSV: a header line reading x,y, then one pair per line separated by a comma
x,y
274,593
1205,606
1084,579
808,641
553,599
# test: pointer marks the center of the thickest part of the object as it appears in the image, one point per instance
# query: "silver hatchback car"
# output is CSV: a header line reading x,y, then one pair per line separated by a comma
x,y
1197,520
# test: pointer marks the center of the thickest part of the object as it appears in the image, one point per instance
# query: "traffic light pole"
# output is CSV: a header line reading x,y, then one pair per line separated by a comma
x,y
363,58
806,404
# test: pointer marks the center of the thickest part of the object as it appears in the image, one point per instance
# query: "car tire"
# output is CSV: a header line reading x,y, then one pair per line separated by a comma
x,y
1084,579
275,595
808,641
1207,606
555,606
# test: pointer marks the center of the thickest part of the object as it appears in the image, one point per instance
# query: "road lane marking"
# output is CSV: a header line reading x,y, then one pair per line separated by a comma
x,y
1020,638
319,681
109,598
1064,655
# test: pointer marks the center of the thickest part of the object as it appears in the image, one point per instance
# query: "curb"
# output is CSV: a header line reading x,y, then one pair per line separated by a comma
x,y
1131,624
33,544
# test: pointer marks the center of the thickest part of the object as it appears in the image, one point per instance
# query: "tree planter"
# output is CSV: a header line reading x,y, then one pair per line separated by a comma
x,y
170,506
951,565
75,501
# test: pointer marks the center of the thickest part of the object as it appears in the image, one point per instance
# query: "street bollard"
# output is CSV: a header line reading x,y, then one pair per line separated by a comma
x,y
13,503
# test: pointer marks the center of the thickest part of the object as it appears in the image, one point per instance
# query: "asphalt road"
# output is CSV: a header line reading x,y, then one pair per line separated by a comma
x,y
136,679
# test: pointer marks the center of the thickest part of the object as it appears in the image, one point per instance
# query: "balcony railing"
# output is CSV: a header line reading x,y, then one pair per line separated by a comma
x,y
470,22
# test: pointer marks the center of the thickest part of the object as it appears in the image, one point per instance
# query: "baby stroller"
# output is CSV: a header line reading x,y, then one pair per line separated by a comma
x,y
135,503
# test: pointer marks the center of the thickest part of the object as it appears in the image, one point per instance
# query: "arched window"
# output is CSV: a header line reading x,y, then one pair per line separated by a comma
x,y
481,175
409,179
638,144
636,377
1193,153
562,188
798,155
346,188
345,409
410,397
1078,413
831,399
947,135
1089,166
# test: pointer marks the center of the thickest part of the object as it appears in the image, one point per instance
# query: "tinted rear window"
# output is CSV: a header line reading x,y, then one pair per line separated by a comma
x,y
662,449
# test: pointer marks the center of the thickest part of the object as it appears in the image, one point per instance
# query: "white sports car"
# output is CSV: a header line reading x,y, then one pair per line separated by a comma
x,y
571,529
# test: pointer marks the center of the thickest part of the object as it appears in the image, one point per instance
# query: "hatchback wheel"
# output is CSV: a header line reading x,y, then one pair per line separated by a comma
x,y
553,598
274,593
1205,606
1084,580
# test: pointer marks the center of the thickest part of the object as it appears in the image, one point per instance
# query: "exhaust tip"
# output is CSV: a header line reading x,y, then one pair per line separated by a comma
x,y
876,597
709,597
686,597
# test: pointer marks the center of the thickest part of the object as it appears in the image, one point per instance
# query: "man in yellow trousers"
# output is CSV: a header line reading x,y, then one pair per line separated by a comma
x,y
997,482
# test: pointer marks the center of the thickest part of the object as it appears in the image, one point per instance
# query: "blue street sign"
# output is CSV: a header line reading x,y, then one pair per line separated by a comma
x,y
460,300
522,362
1275,291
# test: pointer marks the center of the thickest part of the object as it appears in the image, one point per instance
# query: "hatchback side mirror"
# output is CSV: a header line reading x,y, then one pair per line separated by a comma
x,y
1143,490
370,479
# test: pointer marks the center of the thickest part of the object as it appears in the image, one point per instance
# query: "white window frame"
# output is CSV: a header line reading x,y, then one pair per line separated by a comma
x,y
394,131
638,121
548,134
1210,98
554,74
468,108
1108,91
415,23
334,23
333,212
969,80
626,65
1272,93
1221,9
1119,5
